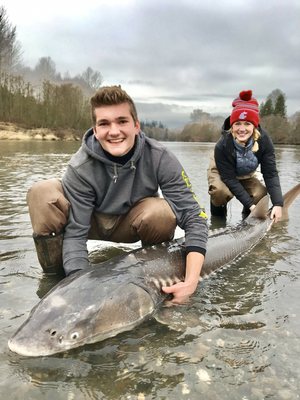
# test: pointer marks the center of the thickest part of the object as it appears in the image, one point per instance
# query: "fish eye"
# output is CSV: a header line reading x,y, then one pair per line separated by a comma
x,y
52,332
75,335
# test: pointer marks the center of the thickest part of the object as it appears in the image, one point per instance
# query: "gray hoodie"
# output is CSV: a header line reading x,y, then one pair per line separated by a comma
x,y
92,182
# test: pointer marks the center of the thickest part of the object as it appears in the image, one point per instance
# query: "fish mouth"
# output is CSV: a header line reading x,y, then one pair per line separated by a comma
x,y
24,350
32,351
29,348
35,347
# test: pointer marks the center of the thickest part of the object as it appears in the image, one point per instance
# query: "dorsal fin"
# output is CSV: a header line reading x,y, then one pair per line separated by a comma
x,y
261,209
288,198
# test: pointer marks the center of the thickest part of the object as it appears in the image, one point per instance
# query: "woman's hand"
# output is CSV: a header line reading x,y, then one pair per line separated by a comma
x,y
276,213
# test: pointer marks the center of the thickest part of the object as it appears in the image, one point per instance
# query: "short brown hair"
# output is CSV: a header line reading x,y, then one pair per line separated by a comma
x,y
109,96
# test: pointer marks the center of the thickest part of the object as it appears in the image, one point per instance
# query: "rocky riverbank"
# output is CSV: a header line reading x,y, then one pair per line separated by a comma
x,y
9,131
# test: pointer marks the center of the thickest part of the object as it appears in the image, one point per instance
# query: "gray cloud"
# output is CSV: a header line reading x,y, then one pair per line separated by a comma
x,y
180,55
171,115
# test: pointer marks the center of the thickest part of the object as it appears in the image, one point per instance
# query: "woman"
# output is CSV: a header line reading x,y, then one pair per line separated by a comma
x,y
244,146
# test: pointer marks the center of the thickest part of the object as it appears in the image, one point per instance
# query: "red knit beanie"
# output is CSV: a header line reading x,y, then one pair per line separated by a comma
x,y
245,109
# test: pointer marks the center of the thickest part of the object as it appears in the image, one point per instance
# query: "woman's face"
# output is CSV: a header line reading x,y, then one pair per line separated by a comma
x,y
242,131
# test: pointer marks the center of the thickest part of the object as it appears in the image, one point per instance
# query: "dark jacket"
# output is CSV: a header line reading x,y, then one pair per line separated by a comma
x,y
225,158
92,182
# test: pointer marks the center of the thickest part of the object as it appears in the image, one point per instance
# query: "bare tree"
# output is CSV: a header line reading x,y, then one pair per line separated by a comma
x,y
92,78
45,69
199,115
10,51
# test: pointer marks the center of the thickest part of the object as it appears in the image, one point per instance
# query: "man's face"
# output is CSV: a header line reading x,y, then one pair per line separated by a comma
x,y
115,128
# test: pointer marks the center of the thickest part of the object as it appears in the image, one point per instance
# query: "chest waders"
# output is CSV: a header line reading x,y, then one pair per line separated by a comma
x,y
49,253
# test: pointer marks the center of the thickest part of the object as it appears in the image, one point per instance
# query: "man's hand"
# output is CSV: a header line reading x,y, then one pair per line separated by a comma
x,y
181,291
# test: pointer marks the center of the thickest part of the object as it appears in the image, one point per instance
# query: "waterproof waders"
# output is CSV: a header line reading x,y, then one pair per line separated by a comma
x,y
49,252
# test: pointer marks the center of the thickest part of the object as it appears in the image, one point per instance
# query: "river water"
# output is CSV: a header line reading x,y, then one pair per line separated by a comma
x,y
238,338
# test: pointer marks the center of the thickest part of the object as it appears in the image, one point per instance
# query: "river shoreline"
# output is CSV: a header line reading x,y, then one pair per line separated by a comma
x,y
9,131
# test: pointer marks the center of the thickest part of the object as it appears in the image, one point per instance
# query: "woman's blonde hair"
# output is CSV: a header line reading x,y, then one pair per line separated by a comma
x,y
256,136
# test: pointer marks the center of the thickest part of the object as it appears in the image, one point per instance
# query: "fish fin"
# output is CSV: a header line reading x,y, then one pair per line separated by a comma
x,y
261,209
288,199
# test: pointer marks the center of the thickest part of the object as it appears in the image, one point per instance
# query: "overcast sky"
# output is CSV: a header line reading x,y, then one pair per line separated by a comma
x,y
172,56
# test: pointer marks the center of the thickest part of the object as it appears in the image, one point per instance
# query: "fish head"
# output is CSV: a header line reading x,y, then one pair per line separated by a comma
x,y
50,328
70,318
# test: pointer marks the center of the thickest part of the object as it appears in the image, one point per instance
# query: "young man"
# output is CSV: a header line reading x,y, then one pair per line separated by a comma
x,y
110,192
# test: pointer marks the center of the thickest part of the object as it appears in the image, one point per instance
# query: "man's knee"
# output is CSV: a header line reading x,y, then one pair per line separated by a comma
x,y
154,220
48,207
44,191
156,208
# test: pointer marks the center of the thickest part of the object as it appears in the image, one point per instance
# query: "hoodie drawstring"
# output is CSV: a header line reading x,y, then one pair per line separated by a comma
x,y
116,176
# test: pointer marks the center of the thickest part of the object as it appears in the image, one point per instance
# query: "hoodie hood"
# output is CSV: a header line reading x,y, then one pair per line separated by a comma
x,y
226,125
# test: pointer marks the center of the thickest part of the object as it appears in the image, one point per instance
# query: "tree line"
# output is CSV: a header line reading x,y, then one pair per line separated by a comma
x,y
45,69
52,106
273,118
65,105
42,97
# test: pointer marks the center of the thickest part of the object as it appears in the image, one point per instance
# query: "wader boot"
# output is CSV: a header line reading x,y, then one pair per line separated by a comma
x,y
218,211
245,212
49,252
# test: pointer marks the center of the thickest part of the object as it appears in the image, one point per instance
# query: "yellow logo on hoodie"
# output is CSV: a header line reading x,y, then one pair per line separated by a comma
x,y
189,186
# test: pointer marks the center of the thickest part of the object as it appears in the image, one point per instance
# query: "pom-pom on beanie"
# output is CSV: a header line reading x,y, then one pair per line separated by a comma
x,y
245,108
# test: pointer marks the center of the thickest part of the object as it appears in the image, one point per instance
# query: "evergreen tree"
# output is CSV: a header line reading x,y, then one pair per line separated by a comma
x,y
280,107
274,94
267,108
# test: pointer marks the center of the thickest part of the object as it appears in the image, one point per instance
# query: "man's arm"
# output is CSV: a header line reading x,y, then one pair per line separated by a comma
x,y
81,197
191,217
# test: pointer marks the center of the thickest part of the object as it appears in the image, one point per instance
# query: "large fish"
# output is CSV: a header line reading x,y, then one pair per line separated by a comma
x,y
100,302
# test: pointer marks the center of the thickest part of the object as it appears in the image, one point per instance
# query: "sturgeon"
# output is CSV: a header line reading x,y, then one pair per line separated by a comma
x,y
119,294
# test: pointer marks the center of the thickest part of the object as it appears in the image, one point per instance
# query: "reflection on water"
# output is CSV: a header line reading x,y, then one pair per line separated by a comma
x,y
238,338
